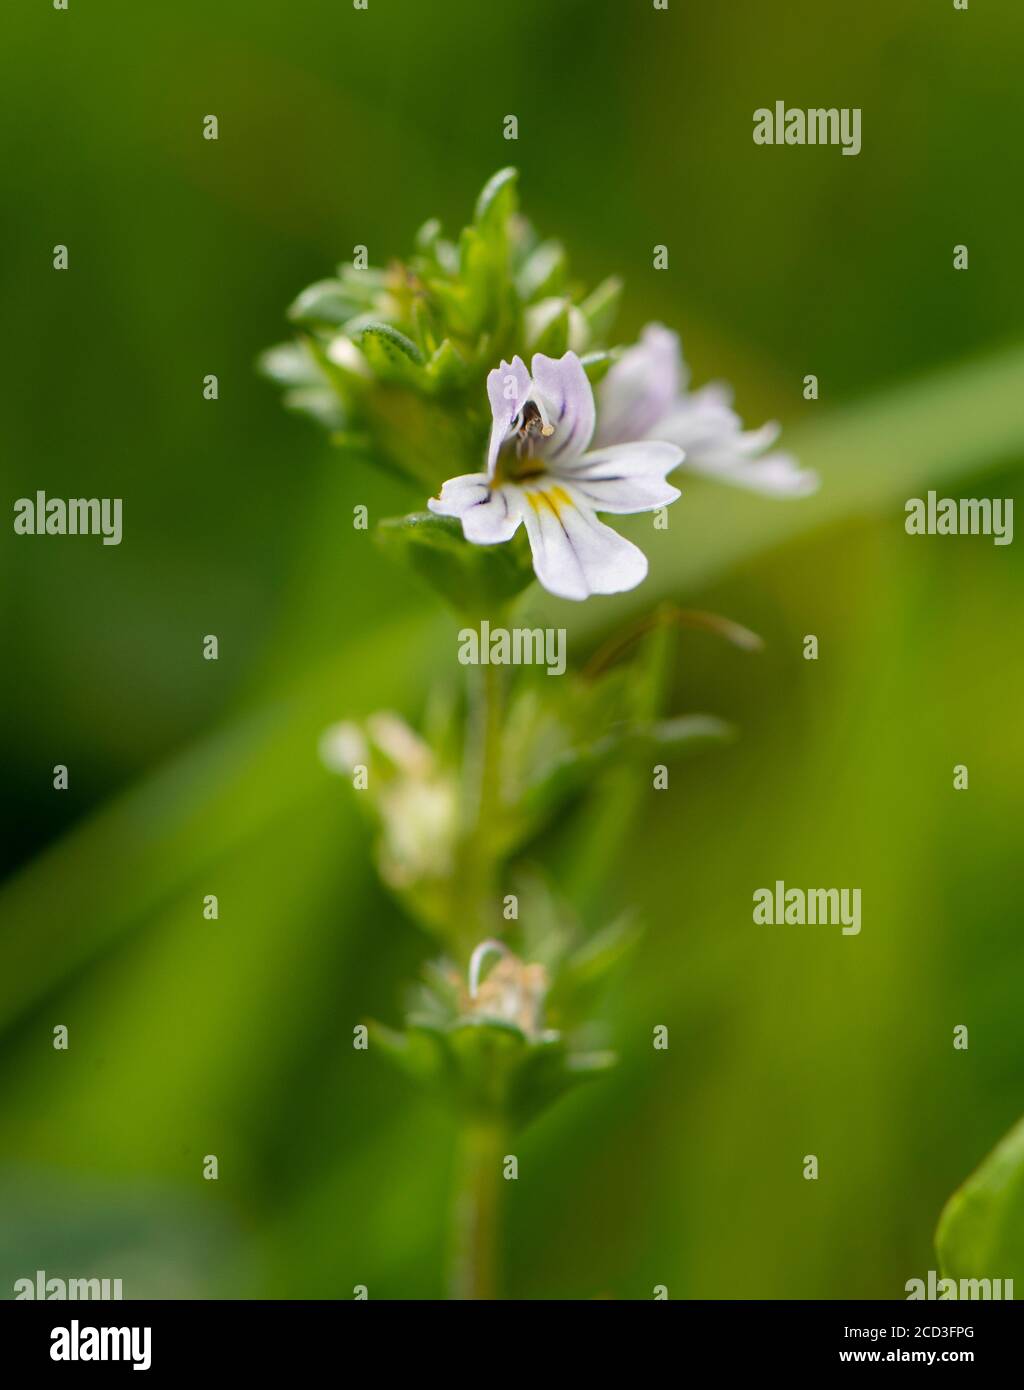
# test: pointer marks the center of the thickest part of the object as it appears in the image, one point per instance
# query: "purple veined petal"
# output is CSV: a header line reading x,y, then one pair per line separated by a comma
x,y
751,442
697,424
489,515
495,520
643,456
773,475
458,494
574,554
508,389
624,478
641,387
564,397
717,446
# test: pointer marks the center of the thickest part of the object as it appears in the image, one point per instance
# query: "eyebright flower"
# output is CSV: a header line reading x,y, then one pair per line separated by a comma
x,y
645,396
513,992
541,471
415,798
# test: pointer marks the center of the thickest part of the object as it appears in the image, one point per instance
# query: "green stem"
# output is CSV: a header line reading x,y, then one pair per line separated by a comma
x,y
476,1211
477,1195
476,881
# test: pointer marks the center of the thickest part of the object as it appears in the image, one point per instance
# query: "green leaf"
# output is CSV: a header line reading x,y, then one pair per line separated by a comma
x,y
390,354
307,389
290,364
542,274
327,302
981,1229
596,958
447,369
484,1056
485,260
495,1068
548,328
319,403
427,325
481,266
497,201
685,734
417,1053
547,1073
582,976
454,302
427,236
476,579
363,287
601,306
572,770
596,364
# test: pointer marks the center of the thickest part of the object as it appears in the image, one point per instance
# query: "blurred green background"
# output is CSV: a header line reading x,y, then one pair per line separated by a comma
x,y
189,777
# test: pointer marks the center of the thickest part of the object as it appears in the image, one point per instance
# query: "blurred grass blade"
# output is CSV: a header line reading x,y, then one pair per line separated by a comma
x,y
981,1230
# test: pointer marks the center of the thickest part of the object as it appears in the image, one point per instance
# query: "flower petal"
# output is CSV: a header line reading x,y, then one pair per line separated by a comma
x,y
775,475
699,423
488,515
460,493
717,446
563,391
624,477
642,387
574,554
713,393
508,388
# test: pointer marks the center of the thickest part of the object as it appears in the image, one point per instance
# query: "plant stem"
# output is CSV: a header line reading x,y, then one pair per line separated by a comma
x,y
491,715
477,1194
474,1271
476,881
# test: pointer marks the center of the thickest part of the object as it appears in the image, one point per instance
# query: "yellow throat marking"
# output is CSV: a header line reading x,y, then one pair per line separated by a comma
x,y
556,498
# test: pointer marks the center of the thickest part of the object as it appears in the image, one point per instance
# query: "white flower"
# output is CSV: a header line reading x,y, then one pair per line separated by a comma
x,y
513,992
342,747
540,472
645,396
415,798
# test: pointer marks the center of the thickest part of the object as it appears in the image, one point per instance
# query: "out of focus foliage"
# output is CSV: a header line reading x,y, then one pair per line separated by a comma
x,y
190,777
